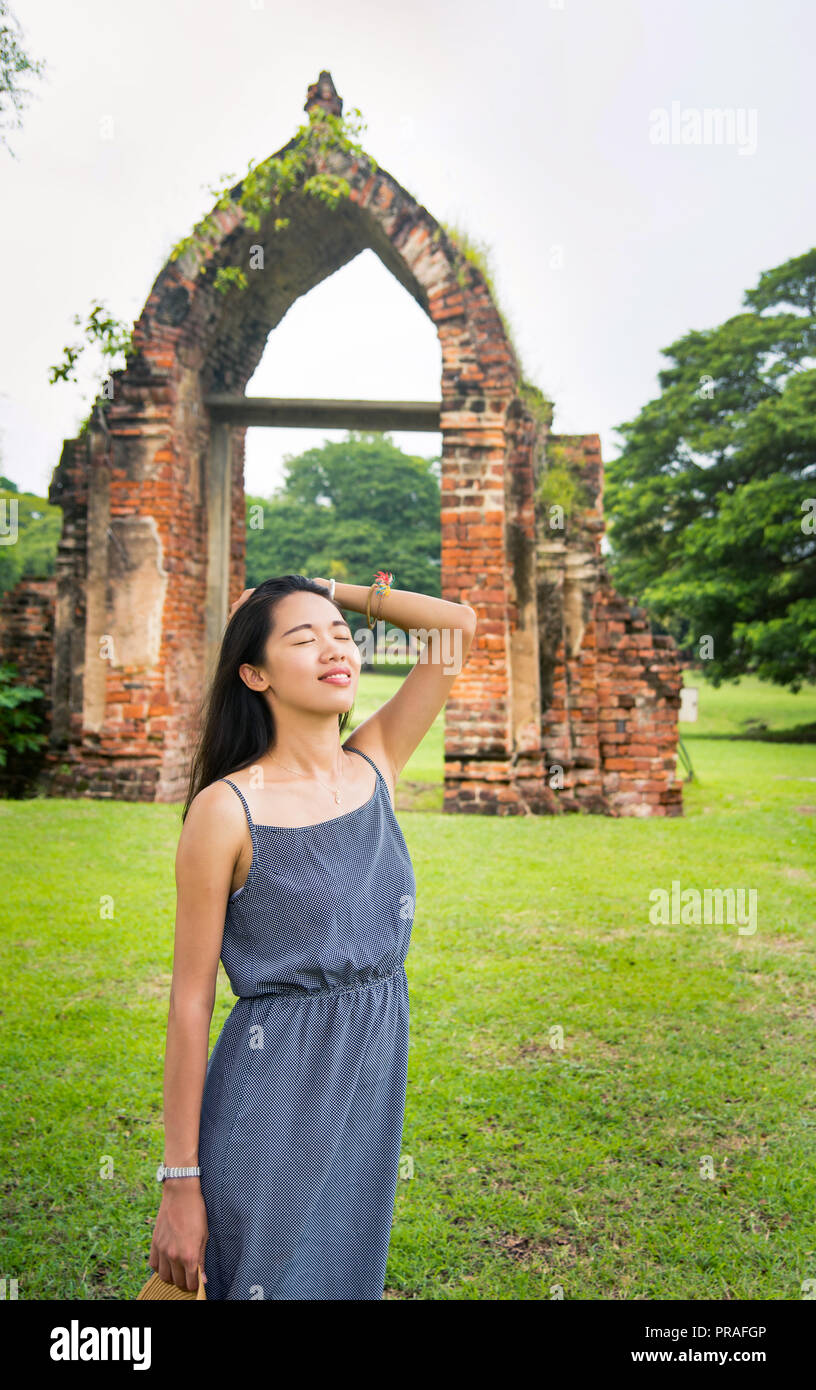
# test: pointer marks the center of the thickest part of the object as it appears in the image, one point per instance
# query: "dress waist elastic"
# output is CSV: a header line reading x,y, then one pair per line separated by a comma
x,y
287,991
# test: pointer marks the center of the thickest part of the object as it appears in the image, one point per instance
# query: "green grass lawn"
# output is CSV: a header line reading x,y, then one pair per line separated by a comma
x,y
664,1151
730,710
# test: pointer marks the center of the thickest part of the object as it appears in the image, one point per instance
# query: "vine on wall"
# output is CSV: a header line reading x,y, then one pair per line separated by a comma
x,y
265,185
561,490
261,187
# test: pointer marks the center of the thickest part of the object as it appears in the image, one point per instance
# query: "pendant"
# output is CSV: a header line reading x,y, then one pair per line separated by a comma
x,y
337,797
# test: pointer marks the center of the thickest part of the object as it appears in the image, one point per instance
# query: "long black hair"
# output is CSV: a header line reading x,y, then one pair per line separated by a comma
x,y
236,724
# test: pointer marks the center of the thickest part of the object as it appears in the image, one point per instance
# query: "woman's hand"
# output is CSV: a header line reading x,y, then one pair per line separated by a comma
x,y
180,1235
237,604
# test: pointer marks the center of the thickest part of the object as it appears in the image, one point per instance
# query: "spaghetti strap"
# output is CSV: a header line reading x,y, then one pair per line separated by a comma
x,y
351,749
243,798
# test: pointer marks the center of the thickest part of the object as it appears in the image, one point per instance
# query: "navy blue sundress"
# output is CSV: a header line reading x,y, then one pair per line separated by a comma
x,y
304,1099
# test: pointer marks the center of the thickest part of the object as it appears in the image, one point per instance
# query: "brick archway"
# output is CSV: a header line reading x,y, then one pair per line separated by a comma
x,y
152,549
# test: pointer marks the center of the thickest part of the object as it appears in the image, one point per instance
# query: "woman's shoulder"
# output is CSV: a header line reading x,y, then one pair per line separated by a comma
x,y
215,826
216,801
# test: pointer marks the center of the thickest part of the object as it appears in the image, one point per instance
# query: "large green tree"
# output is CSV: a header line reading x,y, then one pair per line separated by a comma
x,y
712,503
346,510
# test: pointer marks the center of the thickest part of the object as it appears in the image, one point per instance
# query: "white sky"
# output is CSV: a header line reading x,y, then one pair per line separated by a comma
x,y
524,121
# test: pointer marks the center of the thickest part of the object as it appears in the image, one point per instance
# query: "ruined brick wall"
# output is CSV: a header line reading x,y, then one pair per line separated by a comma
x,y
610,686
152,548
639,678
27,641
132,526
69,490
145,488
493,763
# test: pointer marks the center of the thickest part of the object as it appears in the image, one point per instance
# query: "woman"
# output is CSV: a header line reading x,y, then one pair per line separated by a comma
x,y
292,868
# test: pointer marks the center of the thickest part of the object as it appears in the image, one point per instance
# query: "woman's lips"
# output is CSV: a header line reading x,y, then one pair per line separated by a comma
x,y
338,678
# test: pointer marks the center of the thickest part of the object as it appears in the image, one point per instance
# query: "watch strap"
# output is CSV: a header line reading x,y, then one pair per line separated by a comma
x,y
189,1172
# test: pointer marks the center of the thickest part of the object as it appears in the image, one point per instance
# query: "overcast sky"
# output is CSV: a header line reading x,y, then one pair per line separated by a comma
x,y
533,125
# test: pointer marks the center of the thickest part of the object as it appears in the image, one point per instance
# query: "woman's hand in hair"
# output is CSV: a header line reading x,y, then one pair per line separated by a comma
x,y
237,604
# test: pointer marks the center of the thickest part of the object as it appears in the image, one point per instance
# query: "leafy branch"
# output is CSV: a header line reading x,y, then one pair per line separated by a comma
x,y
13,61
112,335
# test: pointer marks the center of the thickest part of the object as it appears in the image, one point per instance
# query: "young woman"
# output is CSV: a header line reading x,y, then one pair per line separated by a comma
x,y
292,868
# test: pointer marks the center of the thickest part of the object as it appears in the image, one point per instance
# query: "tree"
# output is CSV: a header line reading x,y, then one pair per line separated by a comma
x,y
13,61
347,509
712,503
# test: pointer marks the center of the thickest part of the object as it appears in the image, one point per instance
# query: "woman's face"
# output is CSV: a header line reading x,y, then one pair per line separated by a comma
x,y
310,639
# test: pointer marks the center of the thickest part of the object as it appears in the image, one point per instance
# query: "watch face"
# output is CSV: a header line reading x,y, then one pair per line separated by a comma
x,y
160,1172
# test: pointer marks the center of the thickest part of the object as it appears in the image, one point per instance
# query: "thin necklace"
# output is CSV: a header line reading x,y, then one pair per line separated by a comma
x,y
334,790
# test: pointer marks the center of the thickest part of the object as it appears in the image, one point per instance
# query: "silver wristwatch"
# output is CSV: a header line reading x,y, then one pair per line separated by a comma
x,y
163,1172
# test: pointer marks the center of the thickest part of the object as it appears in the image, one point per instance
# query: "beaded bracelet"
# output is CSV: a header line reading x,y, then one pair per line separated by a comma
x,y
381,586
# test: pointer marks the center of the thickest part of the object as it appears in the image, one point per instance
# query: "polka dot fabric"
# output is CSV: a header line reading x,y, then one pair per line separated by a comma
x,y
304,1097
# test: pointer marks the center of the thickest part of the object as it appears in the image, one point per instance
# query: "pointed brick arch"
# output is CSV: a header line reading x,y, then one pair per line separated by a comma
x,y
152,549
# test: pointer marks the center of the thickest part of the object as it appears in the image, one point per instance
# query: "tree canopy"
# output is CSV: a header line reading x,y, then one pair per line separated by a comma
x,y
346,510
712,503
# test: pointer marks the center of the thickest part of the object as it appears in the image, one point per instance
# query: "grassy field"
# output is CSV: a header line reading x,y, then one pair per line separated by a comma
x,y
664,1151
732,710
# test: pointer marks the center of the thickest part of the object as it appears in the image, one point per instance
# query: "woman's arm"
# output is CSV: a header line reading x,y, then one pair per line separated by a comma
x,y
209,845
397,728
405,609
